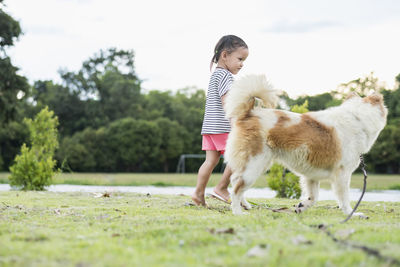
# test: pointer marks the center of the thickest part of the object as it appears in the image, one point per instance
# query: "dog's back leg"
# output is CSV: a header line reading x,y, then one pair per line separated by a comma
x,y
340,186
310,190
241,181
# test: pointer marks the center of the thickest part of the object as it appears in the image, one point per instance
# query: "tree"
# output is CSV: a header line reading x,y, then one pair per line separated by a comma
x,y
110,80
73,155
135,144
385,154
68,107
317,102
12,86
123,97
392,100
189,105
12,136
13,89
34,167
172,142
362,86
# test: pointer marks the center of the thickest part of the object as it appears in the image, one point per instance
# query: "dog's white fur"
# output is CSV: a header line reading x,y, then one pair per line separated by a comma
x,y
316,145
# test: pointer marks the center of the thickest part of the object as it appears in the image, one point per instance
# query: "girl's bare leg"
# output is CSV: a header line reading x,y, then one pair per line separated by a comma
x,y
212,159
221,188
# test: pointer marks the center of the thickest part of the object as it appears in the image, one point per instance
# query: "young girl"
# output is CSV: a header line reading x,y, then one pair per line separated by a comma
x,y
229,55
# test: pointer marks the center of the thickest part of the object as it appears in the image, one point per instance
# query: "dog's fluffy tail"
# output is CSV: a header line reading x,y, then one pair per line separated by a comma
x,y
241,97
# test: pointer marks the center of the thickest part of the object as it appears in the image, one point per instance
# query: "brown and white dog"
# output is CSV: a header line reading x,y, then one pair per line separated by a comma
x,y
315,145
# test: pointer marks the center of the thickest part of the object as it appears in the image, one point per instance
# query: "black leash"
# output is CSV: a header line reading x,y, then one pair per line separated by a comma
x,y
370,251
366,249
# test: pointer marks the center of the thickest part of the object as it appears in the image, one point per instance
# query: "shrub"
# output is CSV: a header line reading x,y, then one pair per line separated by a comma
x,y
395,187
34,167
286,184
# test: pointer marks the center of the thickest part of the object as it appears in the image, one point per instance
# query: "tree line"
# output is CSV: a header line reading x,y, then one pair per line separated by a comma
x,y
108,123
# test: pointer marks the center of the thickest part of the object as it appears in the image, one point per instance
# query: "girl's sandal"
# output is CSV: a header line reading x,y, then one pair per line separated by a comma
x,y
218,197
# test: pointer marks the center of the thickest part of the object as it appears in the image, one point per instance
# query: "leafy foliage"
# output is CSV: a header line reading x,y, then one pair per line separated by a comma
x,y
172,141
12,86
363,86
34,167
9,28
300,109
286,185
13,91
105,94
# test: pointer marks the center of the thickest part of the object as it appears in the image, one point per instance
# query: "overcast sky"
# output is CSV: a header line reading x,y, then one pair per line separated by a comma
x,y
304,47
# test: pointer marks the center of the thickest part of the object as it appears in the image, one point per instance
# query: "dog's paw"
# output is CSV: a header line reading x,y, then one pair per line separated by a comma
x,y
299,208
360,215
303,205
237,211
246,205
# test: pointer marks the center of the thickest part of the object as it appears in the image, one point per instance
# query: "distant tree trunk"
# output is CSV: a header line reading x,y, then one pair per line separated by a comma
x,y
166,167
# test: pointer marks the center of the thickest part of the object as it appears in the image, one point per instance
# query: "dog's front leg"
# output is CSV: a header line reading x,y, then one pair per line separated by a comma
x,y
311,190
237,194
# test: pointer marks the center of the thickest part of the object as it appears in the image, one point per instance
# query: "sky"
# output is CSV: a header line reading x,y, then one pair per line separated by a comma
x,y
304,47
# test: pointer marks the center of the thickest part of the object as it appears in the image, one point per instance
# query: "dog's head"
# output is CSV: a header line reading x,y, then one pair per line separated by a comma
x,y
376,100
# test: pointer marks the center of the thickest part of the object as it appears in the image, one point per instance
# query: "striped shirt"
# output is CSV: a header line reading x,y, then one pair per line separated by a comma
x,y
215,121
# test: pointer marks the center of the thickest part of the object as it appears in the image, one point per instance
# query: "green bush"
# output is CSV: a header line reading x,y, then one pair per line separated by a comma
x,y
395,187
34,167
286,185
300,109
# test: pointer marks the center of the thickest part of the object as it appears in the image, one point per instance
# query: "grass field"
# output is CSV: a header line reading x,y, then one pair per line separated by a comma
x,y
126,229
375,181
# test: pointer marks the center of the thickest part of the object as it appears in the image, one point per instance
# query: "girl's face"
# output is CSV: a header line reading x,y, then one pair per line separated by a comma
x,y
233,61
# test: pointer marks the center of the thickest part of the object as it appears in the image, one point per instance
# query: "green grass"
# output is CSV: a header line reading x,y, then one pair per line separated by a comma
x,y
125,229
395,187
374,181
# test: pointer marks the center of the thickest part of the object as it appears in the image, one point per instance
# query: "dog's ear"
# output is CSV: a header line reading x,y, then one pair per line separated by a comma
x,y
351,95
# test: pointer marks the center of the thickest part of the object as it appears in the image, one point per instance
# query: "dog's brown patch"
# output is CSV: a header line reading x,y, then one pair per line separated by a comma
x,y
375,100
282,117
249,139
322,142
238,185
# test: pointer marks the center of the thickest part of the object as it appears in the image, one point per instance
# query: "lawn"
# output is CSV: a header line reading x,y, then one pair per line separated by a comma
x,y
375,181
126,229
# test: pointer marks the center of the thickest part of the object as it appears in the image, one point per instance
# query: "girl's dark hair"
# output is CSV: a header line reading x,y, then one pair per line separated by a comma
x,y
228,43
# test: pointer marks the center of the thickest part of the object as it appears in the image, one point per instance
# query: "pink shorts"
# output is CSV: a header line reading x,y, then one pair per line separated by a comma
x,y
215,142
